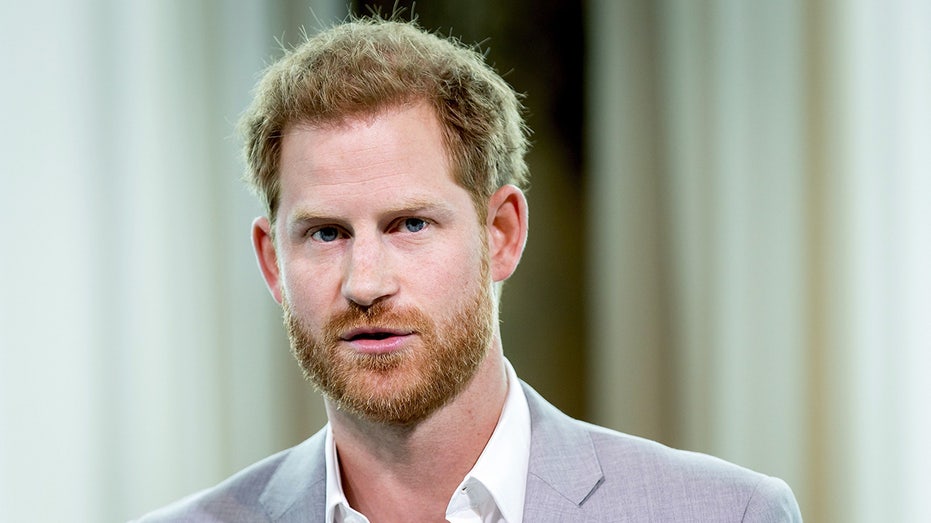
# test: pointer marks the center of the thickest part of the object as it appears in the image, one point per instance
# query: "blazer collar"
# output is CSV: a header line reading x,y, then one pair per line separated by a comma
x,y
562,454
297,489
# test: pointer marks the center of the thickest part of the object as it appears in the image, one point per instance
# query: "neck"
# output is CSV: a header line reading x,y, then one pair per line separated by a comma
x,y
408,473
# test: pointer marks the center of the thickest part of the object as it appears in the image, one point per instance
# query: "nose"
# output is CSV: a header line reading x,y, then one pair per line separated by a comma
x,y
368,277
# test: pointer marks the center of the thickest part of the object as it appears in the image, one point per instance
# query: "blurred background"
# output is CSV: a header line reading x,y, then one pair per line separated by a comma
x,y
729,242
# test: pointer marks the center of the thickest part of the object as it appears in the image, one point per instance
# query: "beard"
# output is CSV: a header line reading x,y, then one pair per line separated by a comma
x,y
405,386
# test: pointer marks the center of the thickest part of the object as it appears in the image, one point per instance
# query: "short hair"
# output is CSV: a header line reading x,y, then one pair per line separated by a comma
x,y
364,66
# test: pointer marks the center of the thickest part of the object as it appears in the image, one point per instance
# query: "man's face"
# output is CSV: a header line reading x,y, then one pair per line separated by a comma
x,y
383,265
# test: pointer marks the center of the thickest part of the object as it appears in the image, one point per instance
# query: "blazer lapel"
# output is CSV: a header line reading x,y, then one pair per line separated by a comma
x,y
297,489
563,471
564,468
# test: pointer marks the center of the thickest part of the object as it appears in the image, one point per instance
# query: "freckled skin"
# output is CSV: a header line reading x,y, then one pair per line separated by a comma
x,y
362,177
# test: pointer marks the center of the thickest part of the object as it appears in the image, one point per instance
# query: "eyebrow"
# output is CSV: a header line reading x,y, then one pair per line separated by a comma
x,y
413,206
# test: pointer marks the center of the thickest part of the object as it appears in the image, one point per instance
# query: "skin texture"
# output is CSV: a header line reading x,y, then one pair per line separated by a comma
x,y
371,219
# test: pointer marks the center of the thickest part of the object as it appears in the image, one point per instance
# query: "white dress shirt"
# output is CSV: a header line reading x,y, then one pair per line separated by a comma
x,y
492,492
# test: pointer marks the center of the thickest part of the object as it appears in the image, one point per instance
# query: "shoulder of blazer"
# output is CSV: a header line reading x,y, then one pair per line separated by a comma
x,y
583,472
287,486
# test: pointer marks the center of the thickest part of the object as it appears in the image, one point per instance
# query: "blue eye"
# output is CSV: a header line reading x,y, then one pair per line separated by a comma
x,y
326,234
414,224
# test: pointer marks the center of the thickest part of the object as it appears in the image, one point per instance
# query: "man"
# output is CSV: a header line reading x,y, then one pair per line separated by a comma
x,y
391,164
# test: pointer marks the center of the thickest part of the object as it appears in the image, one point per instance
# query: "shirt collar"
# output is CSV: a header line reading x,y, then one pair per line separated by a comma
x,y
501,469
335,498
502,466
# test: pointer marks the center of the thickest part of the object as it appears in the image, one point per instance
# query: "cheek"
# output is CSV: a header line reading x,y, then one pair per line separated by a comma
x,y
455,270
309,288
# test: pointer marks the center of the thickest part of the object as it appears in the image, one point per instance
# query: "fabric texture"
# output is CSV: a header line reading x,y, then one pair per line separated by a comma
x,y
578,473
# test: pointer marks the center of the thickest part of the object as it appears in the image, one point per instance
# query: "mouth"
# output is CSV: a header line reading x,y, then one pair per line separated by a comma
x,y
373,334
373,340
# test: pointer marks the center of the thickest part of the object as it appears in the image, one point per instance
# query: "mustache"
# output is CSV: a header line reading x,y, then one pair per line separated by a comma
x,y
380,315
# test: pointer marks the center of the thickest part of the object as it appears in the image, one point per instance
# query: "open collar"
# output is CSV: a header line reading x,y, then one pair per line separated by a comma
x,y
562,461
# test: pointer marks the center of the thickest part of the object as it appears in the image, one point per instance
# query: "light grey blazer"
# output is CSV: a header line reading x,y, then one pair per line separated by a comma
x,y
578,472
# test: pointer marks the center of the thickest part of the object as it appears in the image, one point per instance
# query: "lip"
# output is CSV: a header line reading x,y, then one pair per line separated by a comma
x,y
372,340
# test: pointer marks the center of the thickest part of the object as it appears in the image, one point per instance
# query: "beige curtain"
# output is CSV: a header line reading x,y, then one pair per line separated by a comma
x,y
141,357
760,200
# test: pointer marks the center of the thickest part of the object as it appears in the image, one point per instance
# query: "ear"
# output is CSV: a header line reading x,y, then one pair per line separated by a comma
x,y
507,230
266,255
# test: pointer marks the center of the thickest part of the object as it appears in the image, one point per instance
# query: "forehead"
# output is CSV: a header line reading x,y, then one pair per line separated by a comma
x,y
407,133
397,152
